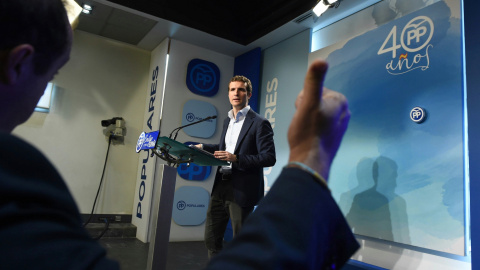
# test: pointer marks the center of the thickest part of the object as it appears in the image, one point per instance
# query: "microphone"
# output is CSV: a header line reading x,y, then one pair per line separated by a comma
x,y
178,129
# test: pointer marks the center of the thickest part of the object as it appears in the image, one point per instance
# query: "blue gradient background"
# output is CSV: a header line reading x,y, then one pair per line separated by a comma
x,y
395,179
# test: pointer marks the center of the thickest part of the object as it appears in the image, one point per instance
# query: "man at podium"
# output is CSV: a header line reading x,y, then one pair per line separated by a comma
x,y
247,143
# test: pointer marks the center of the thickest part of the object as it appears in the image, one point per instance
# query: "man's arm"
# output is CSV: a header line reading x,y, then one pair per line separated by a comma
x,y
265,146
210,147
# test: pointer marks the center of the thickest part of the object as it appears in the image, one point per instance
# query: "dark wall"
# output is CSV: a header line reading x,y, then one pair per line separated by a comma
x,y
472,63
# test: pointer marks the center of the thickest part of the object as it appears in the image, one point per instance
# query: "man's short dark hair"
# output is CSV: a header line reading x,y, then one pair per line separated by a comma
x,y
240,78
40,23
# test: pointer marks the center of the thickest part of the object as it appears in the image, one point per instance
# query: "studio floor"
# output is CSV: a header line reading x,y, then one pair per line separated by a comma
x,y
132,254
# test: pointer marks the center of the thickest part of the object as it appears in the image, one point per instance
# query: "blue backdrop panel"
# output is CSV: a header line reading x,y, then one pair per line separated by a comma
x,y
203,77
196,110
283,72
190,205
396,179
248,65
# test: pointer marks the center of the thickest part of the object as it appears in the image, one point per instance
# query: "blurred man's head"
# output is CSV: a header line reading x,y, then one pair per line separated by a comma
x,y
35,44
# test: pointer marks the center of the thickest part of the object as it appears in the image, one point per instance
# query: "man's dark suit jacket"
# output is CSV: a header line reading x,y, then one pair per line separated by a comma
x,y
255,150
297,226
40,225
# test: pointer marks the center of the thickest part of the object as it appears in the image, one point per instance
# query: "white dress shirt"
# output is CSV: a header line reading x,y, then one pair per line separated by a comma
x,y
233,130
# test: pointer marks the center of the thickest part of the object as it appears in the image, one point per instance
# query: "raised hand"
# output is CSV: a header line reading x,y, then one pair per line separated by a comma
x,y
318,125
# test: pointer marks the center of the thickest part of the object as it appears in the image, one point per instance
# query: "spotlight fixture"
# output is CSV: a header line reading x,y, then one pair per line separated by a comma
x,y
87,9
323,5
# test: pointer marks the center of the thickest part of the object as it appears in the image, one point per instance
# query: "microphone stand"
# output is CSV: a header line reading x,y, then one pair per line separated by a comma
x,y
178,129
163,152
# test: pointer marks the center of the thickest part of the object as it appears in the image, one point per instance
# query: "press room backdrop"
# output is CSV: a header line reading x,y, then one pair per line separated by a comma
x,y
176,107
283,70
145,177
396,179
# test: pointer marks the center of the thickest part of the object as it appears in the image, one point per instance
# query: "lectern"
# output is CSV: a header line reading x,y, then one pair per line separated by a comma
x,y
173,153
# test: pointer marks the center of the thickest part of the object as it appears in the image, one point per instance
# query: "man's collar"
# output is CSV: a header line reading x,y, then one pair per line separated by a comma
x,y
242,112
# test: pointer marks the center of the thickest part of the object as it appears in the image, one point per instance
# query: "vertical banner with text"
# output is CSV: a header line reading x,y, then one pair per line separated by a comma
x,y
146,163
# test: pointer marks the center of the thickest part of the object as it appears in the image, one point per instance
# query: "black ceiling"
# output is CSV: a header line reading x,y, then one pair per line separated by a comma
x,y
240,21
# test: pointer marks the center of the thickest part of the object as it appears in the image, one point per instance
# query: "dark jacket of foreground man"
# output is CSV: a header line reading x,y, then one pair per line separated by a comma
x,y
298,225
40,225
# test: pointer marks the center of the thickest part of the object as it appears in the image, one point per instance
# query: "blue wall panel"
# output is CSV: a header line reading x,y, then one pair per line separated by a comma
x,y
248,65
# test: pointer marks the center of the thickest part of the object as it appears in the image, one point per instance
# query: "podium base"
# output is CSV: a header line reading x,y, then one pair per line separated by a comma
x,y
163,192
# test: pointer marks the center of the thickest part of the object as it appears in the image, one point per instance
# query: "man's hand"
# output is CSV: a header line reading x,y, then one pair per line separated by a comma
x,y
224,155
319,123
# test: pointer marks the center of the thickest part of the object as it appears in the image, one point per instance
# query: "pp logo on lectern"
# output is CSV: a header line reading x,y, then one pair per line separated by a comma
x,y
203,77
193,172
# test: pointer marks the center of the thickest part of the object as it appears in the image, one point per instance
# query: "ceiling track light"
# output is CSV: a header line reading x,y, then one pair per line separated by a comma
x,y
332,3
323,5
87,9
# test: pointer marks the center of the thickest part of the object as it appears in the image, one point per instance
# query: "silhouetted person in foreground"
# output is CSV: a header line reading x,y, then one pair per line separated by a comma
x,y
40,225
